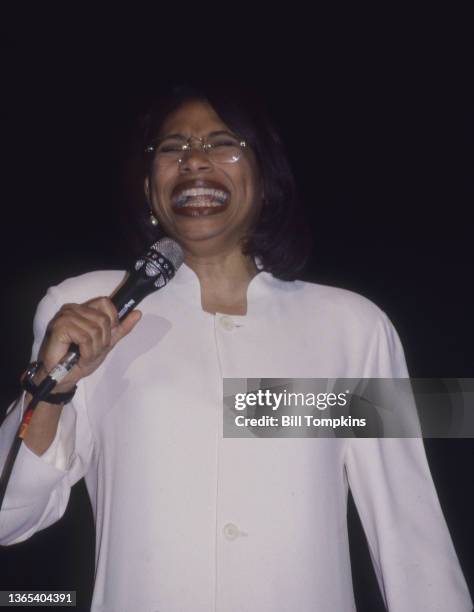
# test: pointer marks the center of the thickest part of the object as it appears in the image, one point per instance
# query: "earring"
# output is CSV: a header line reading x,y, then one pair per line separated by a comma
x,y
152,219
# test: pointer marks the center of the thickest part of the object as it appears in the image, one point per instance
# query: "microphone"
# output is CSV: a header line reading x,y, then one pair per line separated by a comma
x,y
152,271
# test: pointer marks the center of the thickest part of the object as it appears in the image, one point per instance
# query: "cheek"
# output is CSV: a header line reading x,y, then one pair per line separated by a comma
x,y
250,182
253,188
159,181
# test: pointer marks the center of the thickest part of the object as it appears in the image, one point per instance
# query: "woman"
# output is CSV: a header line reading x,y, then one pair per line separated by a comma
x,y
186,519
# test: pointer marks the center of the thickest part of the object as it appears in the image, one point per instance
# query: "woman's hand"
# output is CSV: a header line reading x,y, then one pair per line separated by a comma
x,y
94,327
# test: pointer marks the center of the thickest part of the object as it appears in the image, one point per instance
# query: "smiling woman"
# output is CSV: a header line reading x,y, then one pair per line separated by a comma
x,y
187,519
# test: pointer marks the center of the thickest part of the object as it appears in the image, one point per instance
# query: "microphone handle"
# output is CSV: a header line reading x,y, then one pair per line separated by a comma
x,y
131,293
58,372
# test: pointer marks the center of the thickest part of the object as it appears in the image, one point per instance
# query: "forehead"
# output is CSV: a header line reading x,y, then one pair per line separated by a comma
x,y
195,117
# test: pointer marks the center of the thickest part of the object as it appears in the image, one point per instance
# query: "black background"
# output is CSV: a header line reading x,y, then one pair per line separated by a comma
x,y
374,104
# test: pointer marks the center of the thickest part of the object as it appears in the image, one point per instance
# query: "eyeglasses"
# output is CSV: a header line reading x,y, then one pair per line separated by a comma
x,y
222,148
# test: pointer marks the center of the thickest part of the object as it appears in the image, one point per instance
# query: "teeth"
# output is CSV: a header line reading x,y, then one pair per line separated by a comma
x,y
215,194
194,203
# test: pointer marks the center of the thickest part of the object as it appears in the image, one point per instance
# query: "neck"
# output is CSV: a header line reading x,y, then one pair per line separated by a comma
x,y
224,280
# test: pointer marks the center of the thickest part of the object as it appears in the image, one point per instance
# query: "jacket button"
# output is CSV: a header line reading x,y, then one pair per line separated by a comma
x,y
227,323
231,531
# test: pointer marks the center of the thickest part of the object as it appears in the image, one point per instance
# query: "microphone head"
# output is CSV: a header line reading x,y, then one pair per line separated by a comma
x,y
160,262
171,250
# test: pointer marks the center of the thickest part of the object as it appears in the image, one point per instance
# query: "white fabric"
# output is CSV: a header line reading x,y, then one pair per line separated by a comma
x,y
189,521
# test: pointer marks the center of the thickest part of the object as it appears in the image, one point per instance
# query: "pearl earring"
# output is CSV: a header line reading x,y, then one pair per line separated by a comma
x,y
153,220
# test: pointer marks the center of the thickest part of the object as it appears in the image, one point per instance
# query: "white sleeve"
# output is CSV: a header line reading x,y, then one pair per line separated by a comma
x,y
409,542
39,486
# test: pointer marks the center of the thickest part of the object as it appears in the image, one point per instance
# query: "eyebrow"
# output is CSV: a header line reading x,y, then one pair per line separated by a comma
x,y
182,137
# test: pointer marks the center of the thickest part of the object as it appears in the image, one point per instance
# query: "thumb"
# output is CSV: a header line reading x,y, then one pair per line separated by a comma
x,y
125,326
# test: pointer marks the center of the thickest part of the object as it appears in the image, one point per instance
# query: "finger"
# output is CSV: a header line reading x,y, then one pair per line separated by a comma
x,y
103,309
94,318
59,341
125,326
96,325
105,306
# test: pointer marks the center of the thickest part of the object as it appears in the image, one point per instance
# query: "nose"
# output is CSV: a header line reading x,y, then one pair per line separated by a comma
x,y
195,159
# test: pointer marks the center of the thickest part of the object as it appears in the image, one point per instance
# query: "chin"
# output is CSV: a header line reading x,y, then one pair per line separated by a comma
x,y
199,227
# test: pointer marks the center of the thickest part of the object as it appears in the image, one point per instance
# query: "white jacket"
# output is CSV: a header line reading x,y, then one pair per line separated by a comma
x,y
187,520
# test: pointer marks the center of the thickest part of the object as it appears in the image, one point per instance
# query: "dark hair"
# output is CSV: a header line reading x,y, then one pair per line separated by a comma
x,y
281,238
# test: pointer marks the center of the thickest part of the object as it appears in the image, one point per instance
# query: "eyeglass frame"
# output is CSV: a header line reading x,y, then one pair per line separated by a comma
x,y
205,146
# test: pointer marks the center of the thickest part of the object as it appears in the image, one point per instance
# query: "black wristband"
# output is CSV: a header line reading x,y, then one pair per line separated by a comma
x,y
53,398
